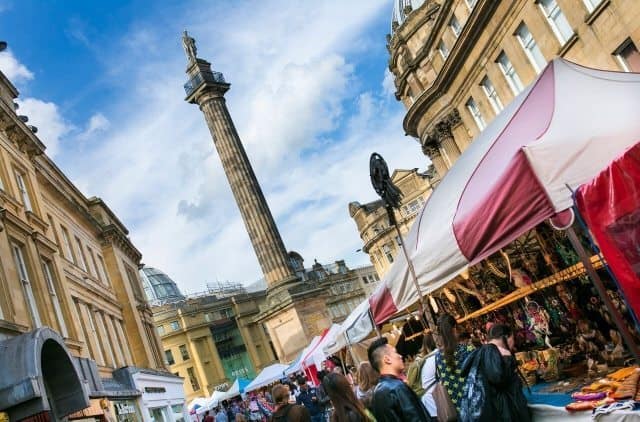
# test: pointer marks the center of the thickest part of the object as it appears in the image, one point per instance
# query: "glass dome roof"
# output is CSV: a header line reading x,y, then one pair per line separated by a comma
x,y
159,287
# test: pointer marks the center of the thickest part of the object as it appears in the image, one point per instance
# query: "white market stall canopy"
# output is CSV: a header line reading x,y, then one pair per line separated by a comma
x,y
267,376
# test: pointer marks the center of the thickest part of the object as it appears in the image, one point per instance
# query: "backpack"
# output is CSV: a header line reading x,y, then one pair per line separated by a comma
x,y
414,374
474,398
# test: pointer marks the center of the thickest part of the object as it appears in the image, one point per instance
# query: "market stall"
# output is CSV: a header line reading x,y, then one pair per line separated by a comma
x,y
483,250
267,376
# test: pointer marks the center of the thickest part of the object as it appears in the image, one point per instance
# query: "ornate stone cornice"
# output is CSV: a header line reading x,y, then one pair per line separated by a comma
x,y
112,235
18,132
430,147
482,13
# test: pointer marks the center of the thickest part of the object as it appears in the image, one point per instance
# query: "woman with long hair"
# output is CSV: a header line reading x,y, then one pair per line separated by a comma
x,y
450,357
367,380
346,406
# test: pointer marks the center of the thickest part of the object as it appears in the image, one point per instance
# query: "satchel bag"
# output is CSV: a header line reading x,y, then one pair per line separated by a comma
x,y
447,411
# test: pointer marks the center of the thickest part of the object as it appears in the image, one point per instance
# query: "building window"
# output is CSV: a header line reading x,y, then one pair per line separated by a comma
x,y
628,56
413,206
184,352
102,270
160,330
492,95
175,325
442,48
27,288
24,193
510,73
386,249
455,26
93,265
591,4
68,251
134,282
48,276
556,19
82,260
471,3
474,110
531,48
195,386
169,357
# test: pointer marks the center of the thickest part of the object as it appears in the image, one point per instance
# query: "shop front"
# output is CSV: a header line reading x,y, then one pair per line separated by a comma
x,y
162,394
39,377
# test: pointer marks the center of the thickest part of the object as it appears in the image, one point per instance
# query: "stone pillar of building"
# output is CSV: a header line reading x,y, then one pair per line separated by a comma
x,y
445,138
207,88
431,149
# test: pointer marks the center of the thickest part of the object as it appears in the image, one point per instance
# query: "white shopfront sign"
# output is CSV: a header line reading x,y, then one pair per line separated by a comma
x,y
162,399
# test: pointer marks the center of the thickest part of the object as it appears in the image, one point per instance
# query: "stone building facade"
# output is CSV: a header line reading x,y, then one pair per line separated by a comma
x,y
458,63
212,340
380,239
71,302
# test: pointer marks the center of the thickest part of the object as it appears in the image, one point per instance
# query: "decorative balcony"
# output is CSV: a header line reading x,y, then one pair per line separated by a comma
x,y
202,77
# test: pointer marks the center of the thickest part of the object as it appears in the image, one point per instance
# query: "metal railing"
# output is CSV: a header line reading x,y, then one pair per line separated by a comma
x,y
202,77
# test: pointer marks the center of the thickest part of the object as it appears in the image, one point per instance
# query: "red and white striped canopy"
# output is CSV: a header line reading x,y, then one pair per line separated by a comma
x,y
561,131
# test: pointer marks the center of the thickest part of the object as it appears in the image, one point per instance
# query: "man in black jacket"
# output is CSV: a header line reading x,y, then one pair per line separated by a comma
x,y
393,400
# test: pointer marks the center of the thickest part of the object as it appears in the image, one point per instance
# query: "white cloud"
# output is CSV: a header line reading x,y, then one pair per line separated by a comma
x,y
307,128
46,116
97,123
14,70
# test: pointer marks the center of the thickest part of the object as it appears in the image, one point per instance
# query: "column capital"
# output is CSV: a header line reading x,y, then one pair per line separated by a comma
x,y
430,147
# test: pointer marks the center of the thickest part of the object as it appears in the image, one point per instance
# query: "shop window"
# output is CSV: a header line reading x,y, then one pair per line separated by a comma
x,y
628,56
27,288
492,95
510,73
531,48
443,50
168,355
48,276
557,20
195,386
184,352
24,192
475,112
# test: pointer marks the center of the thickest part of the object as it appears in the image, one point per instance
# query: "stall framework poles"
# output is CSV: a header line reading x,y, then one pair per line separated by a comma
x,y
602,291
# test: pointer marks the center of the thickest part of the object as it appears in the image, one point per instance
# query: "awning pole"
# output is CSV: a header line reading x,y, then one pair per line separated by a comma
x,y
424,312
602,291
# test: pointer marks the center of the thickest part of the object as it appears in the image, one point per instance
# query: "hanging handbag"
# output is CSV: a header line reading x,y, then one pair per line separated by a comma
x,y
447,411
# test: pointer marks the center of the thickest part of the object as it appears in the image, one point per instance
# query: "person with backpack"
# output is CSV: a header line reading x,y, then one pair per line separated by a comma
x,y
450,357
285,411
493,391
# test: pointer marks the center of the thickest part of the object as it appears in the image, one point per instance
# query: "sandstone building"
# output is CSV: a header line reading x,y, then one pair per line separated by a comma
x,y
458,63
72,309
380,239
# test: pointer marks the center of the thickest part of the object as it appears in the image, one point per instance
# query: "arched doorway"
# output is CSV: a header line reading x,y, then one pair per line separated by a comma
x,y
39,376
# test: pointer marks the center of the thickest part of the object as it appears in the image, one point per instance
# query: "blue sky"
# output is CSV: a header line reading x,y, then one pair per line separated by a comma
x,y
310,96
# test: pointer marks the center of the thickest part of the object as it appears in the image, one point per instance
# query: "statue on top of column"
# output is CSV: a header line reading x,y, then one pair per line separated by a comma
x,y
189,45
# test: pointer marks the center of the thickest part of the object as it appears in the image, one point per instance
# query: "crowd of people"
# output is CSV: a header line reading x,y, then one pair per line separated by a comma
x,y
453,380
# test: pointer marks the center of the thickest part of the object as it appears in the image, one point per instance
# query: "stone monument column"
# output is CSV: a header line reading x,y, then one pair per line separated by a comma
x,y
207,88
